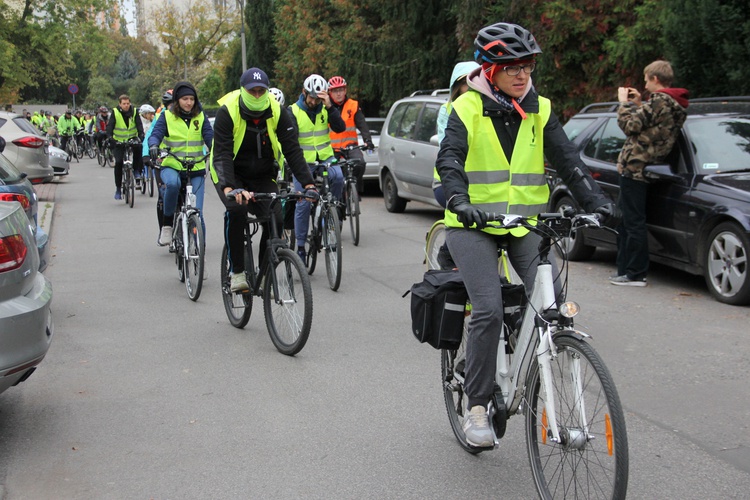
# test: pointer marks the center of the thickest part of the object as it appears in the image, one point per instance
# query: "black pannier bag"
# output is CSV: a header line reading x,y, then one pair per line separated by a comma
x,y
438,306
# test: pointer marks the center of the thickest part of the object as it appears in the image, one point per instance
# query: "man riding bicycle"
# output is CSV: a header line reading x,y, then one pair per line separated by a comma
x,y
124,125
251,132
492,160
313,112
100,126
354,118
67,126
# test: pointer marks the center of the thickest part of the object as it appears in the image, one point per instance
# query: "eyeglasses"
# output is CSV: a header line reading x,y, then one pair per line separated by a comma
x,y
516,70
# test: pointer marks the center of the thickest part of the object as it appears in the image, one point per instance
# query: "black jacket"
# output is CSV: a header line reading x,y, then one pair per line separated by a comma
x,y
255,158
558,150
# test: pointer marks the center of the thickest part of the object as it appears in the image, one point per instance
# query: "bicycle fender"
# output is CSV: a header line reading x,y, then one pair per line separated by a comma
x,y
576,334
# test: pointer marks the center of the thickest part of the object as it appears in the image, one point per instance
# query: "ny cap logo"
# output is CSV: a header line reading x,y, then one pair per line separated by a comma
x,y
256,76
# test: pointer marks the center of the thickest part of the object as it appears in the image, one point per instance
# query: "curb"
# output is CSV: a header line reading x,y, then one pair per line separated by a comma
x,y
44,216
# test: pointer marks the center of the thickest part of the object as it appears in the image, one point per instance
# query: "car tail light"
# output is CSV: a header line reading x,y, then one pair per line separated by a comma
x,y
12,252
37,180
20,198
29,141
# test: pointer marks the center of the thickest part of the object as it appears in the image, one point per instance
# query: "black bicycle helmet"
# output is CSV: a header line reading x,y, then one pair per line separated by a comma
x,y
167,97
504,42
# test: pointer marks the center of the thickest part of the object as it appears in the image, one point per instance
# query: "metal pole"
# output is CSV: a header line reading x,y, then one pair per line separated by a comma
x,y
184,51
242,34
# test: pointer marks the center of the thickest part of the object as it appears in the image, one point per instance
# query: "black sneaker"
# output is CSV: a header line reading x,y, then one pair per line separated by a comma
x,y
625,281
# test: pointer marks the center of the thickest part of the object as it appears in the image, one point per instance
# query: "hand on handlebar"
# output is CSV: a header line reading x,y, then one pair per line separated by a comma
x,y
312,195
370,146
239,195
153,152
467,214
609,214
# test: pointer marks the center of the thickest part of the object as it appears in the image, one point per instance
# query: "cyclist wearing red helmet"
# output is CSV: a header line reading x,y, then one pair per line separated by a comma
x,y
354,118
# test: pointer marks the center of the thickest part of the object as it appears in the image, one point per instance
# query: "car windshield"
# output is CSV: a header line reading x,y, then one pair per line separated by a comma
x,y
8,173
720,143
375,124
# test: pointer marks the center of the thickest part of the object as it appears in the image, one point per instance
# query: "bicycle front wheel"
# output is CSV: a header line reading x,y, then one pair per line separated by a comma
x,y
195,251
435,239
332,247
287,303
101,158
131,187
90,151
312,243
591,459
352,210
238,306
150,178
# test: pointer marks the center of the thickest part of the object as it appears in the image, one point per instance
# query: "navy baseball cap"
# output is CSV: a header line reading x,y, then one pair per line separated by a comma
x,y
254,77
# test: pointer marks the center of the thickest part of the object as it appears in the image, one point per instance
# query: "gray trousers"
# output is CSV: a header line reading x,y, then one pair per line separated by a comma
x,y
475,254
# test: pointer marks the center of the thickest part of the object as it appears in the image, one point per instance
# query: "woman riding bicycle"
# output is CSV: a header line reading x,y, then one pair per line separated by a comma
x,y
251,132
184,129
492,160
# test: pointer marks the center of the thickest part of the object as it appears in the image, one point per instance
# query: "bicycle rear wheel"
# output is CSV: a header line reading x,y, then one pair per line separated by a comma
x,y
150,176
90,151
312,243
238,306
591,461
131,187
352,210
287,303
195,251
435,239
101,158
332,247
80,149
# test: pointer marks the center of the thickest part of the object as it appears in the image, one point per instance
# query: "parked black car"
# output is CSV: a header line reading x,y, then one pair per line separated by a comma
x,y
699,200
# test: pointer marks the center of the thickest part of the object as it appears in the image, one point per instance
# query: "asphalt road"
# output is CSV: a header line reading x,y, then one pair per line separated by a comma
x,y
145,394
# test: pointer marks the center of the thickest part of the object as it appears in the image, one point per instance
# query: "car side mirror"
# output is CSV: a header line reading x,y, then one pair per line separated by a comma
x,y
659,173
434,140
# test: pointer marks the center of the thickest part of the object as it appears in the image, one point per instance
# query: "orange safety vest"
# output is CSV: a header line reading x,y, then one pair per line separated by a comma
x,y
342,139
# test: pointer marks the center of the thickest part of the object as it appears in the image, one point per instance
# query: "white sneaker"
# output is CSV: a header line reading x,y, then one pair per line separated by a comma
x,y
165,237
477,427
238,282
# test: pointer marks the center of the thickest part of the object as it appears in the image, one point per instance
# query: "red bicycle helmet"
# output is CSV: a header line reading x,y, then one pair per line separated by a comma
x,y
336,82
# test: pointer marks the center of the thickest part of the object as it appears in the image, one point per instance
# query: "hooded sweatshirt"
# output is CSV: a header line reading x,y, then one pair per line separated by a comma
x,y
651,129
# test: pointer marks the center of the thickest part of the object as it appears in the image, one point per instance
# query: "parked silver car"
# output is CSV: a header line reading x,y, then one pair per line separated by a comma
x,y
408,150
59,160
25,294
372,164
25,147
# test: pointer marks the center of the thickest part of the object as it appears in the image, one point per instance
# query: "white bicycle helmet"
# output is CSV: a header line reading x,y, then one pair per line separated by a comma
x,y
146,108
278,94
314,84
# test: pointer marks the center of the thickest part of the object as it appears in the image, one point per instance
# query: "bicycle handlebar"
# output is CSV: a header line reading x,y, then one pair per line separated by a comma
x,y
188,163
265,196
577,221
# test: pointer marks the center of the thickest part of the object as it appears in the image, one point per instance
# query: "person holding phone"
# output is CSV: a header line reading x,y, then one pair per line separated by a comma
x,y
651,128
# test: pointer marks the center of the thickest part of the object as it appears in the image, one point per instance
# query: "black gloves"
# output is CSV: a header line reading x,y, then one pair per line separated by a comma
x,y
153,152
311,194
467,213
610,214
147,161
370,145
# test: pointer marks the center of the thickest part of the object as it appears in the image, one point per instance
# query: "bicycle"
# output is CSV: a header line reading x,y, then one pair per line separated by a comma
x,y
351,195
324,233
90,146
188,240
147,180
128,175
105,156
546,370
71,147
281,280
80,138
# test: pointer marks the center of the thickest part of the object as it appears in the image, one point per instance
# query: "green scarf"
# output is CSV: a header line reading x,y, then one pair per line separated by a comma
x,y
255,103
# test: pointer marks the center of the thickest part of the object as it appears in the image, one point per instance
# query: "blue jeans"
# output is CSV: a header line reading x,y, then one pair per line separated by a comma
x,y
302,212
171,180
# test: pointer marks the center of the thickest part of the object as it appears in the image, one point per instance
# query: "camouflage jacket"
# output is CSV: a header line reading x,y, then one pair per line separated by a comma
x,y
651,130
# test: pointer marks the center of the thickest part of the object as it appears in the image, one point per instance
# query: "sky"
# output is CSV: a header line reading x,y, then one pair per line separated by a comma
x,y
128,9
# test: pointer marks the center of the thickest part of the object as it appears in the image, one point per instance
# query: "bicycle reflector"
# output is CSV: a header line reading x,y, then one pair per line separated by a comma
x,y
569,309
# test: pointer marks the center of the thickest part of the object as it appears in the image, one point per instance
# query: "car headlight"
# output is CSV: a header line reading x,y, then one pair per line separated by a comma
x,y
61,156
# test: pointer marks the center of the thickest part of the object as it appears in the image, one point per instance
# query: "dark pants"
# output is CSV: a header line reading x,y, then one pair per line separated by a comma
x,y
119,153
235,219
632,238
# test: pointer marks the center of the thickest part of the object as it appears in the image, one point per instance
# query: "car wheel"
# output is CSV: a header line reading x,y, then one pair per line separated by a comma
x,y
393,203
574,246
726,270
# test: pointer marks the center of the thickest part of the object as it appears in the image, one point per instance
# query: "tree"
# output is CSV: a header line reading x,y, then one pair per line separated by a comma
x,y
262,52
101,93
212,88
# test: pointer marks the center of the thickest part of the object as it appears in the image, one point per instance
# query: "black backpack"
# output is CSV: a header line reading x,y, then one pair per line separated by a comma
x,y
438,306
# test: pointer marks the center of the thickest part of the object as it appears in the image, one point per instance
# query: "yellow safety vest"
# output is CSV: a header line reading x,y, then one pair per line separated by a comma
x,y
184,141
496,185
122,132
239,126
342,139
313,137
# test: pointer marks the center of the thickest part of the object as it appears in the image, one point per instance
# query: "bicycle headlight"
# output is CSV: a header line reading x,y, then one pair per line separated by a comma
x,y
569,309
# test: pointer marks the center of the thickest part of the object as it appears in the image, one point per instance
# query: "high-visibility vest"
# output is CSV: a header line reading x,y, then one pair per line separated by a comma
x,y
342,139
313,137
239,127
495,185
67,126
185,140
122,132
